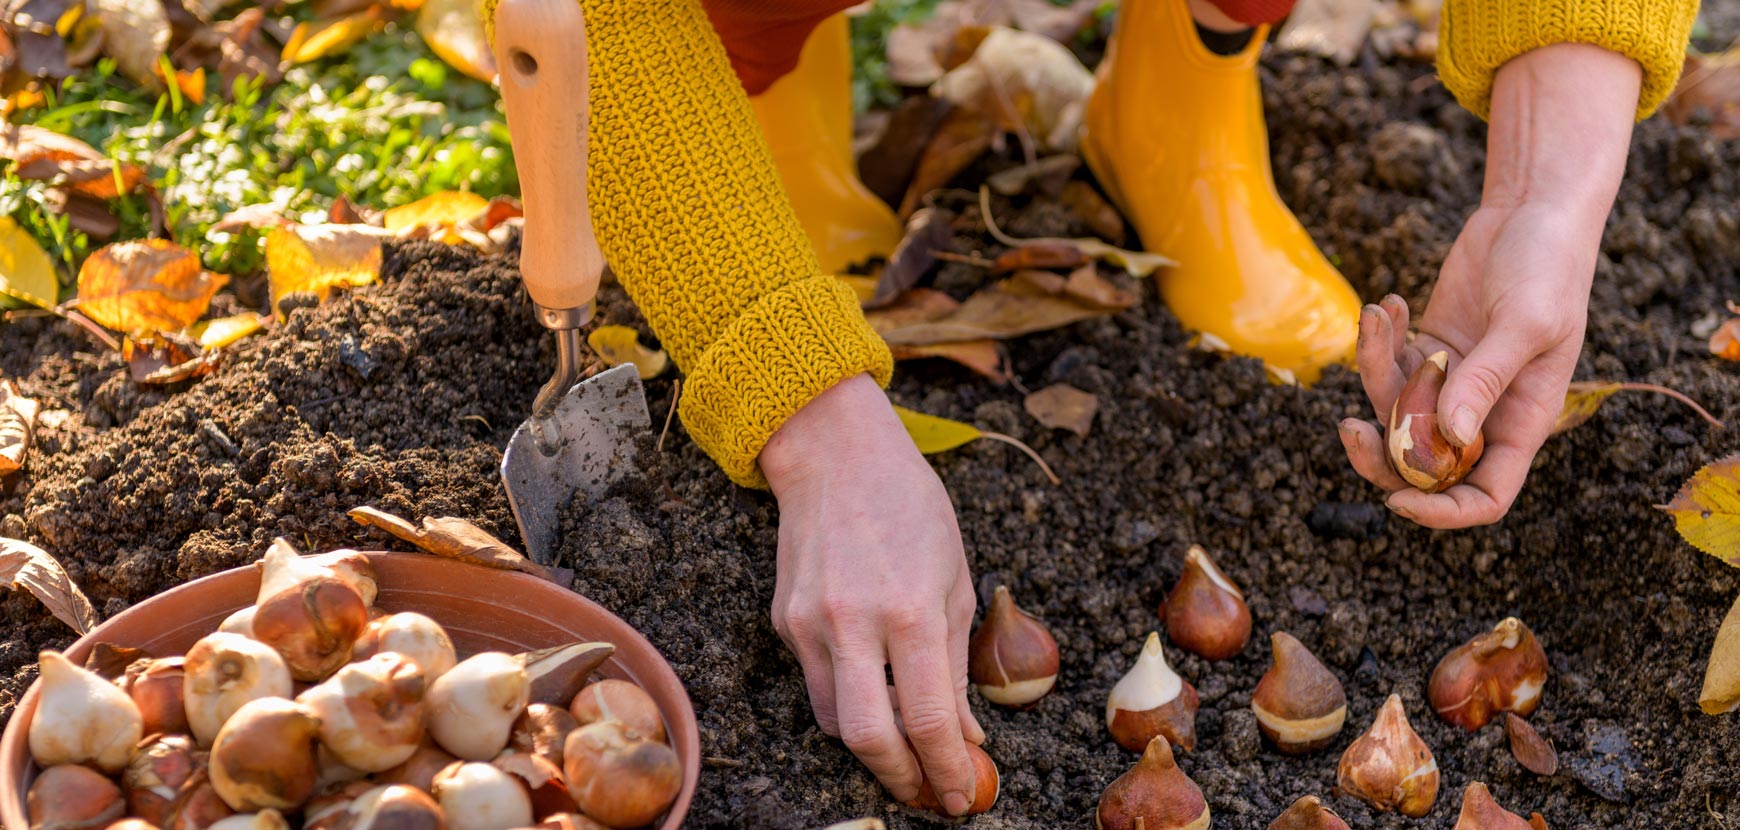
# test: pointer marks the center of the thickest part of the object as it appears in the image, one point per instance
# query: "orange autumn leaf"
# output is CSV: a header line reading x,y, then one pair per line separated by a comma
x,y
1706,510
445,209
39,154
318,258
1725,340
17,427
981,356
313,41
145,287
1583,398
455,34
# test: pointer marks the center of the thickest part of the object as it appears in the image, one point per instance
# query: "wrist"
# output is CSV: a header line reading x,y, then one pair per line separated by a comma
x,y
850,417
1562,117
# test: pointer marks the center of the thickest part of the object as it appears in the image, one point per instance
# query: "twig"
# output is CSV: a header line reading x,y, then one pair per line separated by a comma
x,y
965,259
676,391
1650,387
1016,443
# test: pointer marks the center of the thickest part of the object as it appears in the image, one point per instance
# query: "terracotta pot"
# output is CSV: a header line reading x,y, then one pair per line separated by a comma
x,y
481,608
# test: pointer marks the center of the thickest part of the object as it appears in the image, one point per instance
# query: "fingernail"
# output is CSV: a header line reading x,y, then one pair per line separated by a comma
x,y
1349,436
956,803
1463,426
1367,321
1399,510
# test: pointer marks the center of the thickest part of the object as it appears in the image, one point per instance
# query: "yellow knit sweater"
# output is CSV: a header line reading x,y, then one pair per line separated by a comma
x,y
691,216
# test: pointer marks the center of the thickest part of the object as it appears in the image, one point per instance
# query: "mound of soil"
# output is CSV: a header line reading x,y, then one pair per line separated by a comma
x,y
402,394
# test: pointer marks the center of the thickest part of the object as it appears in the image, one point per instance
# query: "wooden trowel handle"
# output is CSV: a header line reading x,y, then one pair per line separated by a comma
x,y
540,47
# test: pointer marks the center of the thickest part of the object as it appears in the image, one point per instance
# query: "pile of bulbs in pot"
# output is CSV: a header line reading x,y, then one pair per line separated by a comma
x,y
1299,705
313,706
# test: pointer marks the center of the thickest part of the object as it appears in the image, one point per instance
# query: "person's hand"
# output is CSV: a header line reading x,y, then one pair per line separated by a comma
x,y
872,575
1511,302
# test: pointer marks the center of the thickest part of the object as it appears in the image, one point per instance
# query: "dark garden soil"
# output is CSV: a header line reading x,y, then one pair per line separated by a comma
x,y
402,394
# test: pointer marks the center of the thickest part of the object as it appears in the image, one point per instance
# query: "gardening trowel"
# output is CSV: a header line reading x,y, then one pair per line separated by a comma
x,y
580,435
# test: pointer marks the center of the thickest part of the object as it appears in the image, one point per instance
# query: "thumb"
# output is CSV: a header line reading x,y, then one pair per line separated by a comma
x,y
1474,386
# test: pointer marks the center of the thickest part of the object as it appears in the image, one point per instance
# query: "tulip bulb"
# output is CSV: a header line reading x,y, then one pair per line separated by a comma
x,y
1481,812
1502,670
241,622
133,824
473,706
197,806
264,756
371,713
368,807
82,718
543,780
1153,795
419,638
1389,767
73,797
1012,658
353,568
1152,700
542,730
224,672
987,783
480,797
619,778
1206,614
420,769
158,688
330,808
1308,813
1300,705
308,612
575,821
621,701
160,769
263,820
1418,449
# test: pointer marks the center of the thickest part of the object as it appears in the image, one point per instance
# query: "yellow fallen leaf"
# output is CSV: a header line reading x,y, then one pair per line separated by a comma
x,y
145,287
616,345
313,41
319,258
216,334
1721,691
17,426
23,565
1706,510
1136,263
1583,398
444,209
454,31
27,274
933,435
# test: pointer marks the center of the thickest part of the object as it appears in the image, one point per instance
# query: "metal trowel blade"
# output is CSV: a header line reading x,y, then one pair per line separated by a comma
x,y
585,445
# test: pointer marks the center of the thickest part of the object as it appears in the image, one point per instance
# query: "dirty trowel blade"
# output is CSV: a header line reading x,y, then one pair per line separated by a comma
x,y
584,446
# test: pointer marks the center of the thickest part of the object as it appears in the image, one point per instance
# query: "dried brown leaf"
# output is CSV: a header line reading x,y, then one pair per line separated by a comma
x,y
1335,29
1709,92
136,34
1034,85
981,356
1095,211
38,50
1136,263
454,32
39,154
17,427
87,214
1086,284
23,565
1534,752
260,216
1061,406
459,539
927,231
167,360
887,164
1060,254
965,135
1025,303
919,53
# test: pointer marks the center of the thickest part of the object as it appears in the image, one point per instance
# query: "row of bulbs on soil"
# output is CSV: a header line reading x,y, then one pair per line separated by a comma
x,y
1299,705
396,733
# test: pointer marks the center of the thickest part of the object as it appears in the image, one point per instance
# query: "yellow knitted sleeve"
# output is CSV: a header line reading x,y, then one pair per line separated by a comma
x,y
1479,36
691,215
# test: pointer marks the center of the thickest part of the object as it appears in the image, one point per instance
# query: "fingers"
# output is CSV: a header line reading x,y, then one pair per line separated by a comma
x,y
1482,499
1397,310
961,605
929,704
1365,449
1378,356
1476,384
819,681
867,724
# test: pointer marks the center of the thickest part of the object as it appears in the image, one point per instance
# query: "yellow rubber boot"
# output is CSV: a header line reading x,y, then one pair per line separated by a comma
x,y
1176,135
807,118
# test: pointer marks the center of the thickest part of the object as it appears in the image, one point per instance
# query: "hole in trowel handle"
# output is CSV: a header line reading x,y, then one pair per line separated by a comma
x,y
523,62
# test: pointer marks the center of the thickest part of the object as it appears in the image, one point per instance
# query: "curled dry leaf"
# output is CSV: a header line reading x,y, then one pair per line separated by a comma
x,y
1034,85
932,435
1721,692
616,345
1027,302
27,275
981,356
918,54
924,305
927,231
313,41
145,287
1137,263
454,32
459,539
39,154
167,359
1061,406
441,210
1706,510
17,427
964,135
319,258
1708,92
1583,398
887,163
23,565
135,34
236,48
1095,211
1534,752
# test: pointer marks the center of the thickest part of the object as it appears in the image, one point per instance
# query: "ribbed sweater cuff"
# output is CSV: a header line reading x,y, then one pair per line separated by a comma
x,y
775,357
1480,36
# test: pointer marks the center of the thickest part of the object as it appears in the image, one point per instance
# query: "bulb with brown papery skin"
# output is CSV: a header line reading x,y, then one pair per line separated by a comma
x,y
472,707
1481,812
1417,447
371,713
987,784
397,807
570,821
353,568
1153,795
264,756
1206,613
81,718
1012,658
158,688
622,701
618,777
420,769
225,672
1389,767
155,777
1502,670
263,820
477,796
544,782
133,824
197,806
73,797
307,612
1152,700
330,808
542,730
422,640
241,622
1299,704
1308,813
